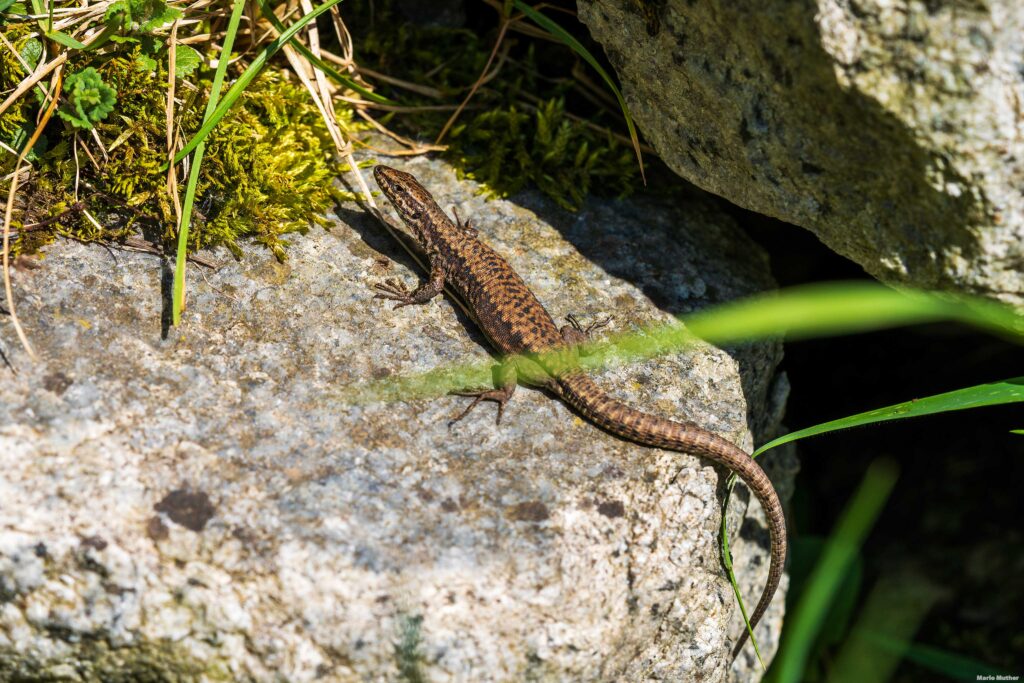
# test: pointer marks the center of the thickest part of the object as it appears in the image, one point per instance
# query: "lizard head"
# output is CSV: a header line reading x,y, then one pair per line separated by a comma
x,y
412,201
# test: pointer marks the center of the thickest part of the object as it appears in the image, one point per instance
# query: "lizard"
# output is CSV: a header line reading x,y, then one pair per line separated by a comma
x,y
537,352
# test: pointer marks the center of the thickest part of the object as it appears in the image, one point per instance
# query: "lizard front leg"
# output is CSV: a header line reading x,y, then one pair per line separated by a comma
x,y
505,378
395,291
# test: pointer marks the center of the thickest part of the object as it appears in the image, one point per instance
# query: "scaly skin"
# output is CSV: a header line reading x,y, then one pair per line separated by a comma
x,y
519,325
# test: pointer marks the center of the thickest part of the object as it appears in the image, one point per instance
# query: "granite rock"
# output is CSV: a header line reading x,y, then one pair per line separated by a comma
x,y
210,503
892,129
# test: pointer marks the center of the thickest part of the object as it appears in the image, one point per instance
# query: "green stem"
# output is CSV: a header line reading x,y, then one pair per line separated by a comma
x,y
178,297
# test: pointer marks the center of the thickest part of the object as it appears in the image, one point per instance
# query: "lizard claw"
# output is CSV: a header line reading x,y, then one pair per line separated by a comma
x,y
499,396
592,327
394,290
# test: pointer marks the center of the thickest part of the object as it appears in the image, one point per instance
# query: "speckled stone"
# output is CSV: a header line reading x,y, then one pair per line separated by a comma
x,y
892,129
211,504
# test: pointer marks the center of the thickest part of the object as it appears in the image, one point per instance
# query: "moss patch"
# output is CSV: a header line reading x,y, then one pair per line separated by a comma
x,y
517,130
268,170
97,661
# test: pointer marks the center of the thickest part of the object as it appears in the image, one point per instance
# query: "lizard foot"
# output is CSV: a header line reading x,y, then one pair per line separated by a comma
x,y
575,333
499,396
393,290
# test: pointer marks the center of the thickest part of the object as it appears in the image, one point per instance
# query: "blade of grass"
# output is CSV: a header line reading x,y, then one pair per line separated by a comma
x,y
65,40
806,619
800,312
991,394
896,606
727,563
575,45
178,296
251,71
949,664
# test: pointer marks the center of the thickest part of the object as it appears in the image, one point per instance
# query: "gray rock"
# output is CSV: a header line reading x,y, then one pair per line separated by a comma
x,y
892,129
218,503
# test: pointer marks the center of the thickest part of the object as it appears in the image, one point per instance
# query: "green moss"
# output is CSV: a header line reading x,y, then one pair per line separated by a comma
x,y
96,661
505,149
268,169
14,119
516,132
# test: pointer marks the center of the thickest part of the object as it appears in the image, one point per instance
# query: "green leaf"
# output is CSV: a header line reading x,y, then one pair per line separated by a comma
x,y
89,99
186,60
4,4
144,62
575,45
118,14
65,40
139,16
161,16
995,393
31,51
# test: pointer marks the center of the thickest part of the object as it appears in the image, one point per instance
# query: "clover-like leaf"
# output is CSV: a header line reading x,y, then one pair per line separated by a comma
x,y
139,15
89,99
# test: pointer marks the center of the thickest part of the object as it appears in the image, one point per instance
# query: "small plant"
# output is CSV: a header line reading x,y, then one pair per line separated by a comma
x,y
89,99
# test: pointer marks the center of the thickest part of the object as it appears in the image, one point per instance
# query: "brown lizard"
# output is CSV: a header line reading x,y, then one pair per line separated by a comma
x,y
540,354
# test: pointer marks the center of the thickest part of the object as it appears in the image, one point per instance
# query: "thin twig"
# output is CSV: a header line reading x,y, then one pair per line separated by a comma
x,y
411,144
41,71
9,211
479,81
172,176
624,139
136,244
417,88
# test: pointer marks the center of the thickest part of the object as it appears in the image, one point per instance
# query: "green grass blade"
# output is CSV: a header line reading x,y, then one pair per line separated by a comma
x,y
575,45
65,40
949,664
727,563
331,72
992,394
896,606
253,70
805,621
836,308
800,312
178,292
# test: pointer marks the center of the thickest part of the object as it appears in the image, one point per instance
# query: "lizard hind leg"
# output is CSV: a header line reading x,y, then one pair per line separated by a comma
x,y
504,380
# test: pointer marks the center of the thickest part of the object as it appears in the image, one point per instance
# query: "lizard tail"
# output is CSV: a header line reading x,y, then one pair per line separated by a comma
x,y
587,398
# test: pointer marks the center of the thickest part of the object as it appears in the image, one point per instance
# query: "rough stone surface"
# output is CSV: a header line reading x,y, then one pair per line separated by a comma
x,y
213,504
893,129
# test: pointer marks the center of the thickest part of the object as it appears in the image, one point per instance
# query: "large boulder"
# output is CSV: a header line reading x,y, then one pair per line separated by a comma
x,y
892,129
224,502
